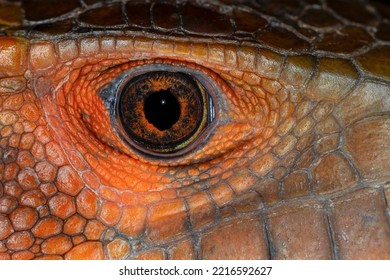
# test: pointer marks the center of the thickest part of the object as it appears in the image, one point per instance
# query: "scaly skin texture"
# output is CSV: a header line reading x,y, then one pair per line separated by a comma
x,y
296,166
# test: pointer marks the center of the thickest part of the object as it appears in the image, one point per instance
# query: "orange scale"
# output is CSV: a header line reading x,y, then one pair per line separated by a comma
x,y
49,257
5,256
35,249
80,148
187,182
91,179
103,172
75,225
109,193
149,197
221,193
13,188
132,221
87,203
78,239
62,206
156,254
118,249
61,73
165,180
63,114
106,63
82,91
20,240
14,140
176,184
34,198
30,112
13,102
128,198
90,250
57,245
132,183
152,186
3,248
67,145
6,226
29,126
60,98
28,179
226,175
43,211
79,100
118,174
181,175
92,161
116,182
109,213
193,172
23,255
48,189
168,194
55,154
78,63
86,70
10,171
184,250
68,180
77,161
202,209
228,163
47,227
72,78
165,220
6,131
94,230
26,141
214,180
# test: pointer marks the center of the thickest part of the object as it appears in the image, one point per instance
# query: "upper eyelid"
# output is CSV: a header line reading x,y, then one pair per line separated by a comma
x,y
44,56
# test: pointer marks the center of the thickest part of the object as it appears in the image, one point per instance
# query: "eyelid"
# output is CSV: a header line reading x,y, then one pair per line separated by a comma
x,y
244,60
45,55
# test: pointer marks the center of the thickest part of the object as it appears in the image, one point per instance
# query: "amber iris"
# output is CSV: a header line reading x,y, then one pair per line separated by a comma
x,y
162,112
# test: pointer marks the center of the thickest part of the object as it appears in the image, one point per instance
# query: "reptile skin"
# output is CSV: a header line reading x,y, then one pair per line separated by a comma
x,y
297,165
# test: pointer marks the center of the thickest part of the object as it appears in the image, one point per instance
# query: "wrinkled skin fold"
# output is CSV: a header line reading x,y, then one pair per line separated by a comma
x,y
295,166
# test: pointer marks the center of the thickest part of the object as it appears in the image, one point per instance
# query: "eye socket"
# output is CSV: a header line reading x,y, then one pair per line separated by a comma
x,y
87,101
161,110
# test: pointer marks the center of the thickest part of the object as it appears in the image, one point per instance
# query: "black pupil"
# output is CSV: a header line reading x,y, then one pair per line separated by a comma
x,y
162,109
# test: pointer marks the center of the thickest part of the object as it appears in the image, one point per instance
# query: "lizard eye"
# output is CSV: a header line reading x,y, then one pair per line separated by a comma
x,y
145,119
162,113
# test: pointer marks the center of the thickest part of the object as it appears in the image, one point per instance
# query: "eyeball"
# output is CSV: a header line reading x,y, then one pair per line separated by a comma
x,y
161,110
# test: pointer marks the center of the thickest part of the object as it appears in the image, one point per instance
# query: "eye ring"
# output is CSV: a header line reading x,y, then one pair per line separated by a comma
x,y
210,108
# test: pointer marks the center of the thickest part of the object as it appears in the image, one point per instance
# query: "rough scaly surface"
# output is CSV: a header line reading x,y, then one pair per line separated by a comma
x,y
298,164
